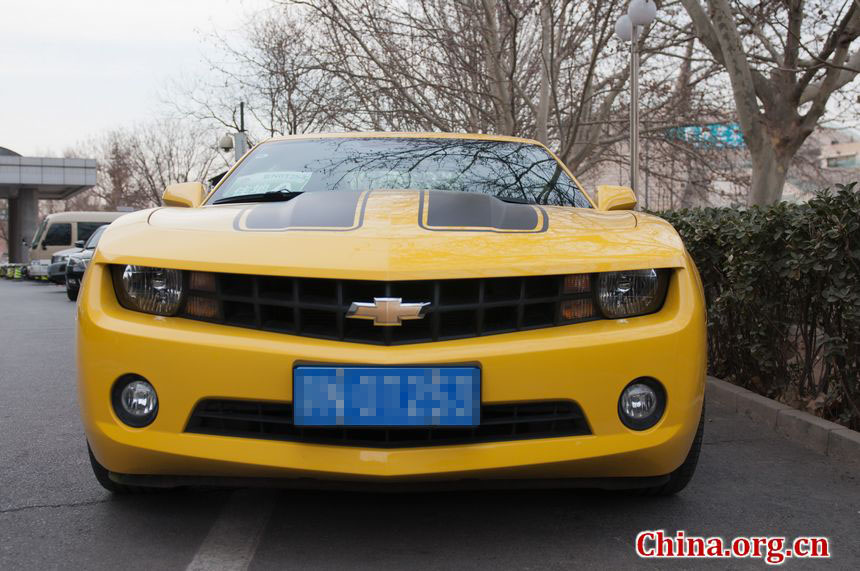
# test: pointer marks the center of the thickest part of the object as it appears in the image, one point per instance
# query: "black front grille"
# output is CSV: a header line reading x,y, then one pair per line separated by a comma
x,y
499,422
309,307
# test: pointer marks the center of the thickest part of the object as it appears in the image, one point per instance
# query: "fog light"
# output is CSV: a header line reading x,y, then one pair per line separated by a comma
x,y
639,401
642,403
135,401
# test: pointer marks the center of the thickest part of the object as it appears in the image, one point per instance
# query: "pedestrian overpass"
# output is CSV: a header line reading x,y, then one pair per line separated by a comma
x,y
24,181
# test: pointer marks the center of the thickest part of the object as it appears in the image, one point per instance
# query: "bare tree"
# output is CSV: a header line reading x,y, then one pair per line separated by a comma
x,y
274,71
547,69
785,60
135,165
115,182
168,151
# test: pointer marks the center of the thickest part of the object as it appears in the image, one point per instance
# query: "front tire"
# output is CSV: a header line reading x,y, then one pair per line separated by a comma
x,y
103,476
682,475
72,293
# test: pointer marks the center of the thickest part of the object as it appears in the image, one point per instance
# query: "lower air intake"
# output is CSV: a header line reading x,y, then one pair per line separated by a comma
x,y
499,422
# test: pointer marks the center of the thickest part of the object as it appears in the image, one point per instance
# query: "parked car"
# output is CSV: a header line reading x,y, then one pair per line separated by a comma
x,y
78,263
57,269
393,311
38,269
60,231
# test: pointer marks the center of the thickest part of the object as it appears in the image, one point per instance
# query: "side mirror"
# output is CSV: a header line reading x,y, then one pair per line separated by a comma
x,y
615,198
79,244
188,194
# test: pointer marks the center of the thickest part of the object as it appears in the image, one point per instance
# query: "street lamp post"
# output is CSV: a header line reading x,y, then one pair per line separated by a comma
x,y
241,139
628,28
238,141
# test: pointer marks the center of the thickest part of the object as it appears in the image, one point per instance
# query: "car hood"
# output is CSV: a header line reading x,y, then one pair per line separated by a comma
x,y
83,254
67,252
392,235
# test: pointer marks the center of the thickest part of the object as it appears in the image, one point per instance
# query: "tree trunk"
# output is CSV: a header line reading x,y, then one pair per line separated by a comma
x,y
542,118
769,168
495,60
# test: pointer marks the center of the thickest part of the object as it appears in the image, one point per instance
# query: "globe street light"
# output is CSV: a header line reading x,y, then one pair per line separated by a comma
x,y
628,28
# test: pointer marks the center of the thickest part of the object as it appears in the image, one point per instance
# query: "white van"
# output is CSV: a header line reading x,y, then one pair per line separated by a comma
x,y
60,231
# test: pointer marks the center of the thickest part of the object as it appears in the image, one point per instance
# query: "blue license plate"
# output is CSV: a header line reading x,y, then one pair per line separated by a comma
x,y
386,396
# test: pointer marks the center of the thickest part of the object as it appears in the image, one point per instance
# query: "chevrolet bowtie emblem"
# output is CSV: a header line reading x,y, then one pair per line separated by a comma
x,y
387,310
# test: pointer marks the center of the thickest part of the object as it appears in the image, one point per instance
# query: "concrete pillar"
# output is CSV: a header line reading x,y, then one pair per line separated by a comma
x,y
4,223
23,219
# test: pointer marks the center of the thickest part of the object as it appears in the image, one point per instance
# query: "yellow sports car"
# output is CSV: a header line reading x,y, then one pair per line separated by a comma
x,y
393,311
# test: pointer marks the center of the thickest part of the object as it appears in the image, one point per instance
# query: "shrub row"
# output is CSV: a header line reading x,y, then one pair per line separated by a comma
x,y
783,293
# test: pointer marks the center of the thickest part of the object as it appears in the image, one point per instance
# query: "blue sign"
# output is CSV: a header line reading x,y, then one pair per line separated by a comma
x,y
715,135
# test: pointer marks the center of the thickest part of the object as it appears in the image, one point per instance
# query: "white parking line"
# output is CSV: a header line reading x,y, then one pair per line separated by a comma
x,y
233,539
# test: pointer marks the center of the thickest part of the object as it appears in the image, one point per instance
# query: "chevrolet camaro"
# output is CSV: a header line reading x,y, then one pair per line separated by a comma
x,y
393,311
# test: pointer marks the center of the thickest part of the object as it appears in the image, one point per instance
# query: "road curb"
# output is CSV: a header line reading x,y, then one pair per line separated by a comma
x,y
811,432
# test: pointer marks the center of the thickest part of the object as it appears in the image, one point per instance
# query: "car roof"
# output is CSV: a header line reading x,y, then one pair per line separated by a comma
x,y
404,135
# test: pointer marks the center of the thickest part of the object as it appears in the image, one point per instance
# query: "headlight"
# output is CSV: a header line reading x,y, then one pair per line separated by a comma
x,y
632,292
150,290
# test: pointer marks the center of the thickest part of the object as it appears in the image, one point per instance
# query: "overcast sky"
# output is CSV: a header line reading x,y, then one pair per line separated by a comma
x,y
70,69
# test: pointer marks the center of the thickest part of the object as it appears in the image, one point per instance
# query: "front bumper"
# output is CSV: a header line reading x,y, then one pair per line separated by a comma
x,y
38,268
74,277
57,272
589,363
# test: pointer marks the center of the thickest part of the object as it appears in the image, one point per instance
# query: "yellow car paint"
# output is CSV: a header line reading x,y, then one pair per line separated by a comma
x,y
589,363
390,245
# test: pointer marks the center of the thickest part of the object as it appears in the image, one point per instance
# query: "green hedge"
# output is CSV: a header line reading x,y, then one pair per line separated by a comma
x,y
783,292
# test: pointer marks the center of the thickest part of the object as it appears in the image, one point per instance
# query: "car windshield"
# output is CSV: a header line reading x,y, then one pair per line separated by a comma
x,y
38,236
94,238
509,170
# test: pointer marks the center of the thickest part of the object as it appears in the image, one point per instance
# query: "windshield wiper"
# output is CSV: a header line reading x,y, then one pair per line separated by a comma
x,y
282,195
514,199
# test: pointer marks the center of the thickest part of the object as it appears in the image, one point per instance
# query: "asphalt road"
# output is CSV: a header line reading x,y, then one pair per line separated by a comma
x,y
53,514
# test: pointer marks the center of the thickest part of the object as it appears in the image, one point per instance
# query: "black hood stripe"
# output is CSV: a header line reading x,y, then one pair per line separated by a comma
x,y
340,211
438,211
475,212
